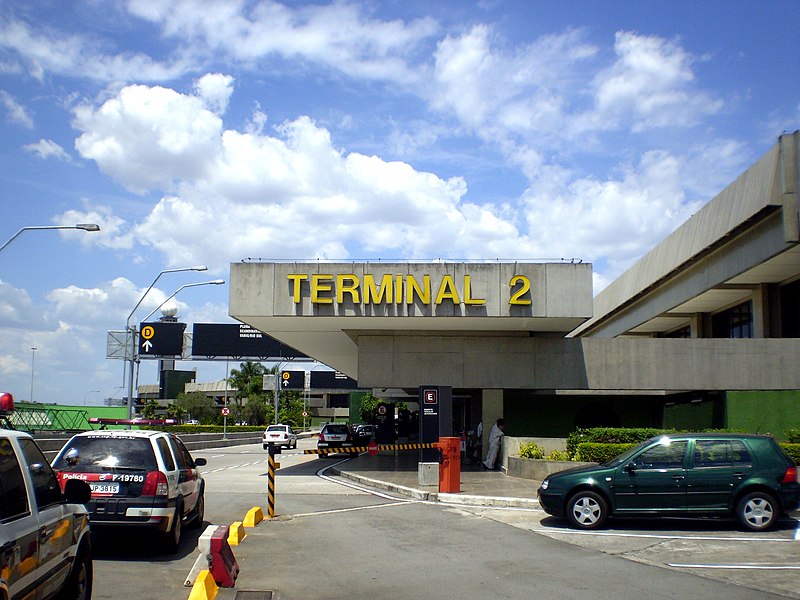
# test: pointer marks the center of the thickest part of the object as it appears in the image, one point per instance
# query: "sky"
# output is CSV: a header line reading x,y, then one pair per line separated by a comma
x,y
205,133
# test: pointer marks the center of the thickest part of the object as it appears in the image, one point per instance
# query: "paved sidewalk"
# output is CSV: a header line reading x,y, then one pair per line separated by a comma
x,y
398,472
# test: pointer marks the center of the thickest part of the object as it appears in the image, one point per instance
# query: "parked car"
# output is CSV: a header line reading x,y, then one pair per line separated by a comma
x,y
44,532
279,435
193,422
746,476
138,479
362,434
334,436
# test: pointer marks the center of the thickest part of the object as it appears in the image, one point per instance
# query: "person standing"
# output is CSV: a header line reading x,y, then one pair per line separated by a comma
x,y
495,437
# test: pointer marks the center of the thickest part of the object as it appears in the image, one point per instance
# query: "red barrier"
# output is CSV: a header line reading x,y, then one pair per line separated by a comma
x,y
222,564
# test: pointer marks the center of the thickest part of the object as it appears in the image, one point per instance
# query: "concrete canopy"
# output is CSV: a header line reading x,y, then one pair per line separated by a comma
x,y
323,309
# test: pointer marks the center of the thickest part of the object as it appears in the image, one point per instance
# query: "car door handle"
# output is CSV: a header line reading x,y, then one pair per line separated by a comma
x,y
678,477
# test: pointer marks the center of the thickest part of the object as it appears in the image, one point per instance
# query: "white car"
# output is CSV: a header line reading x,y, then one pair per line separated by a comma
x,y
279,435
139,479
44,533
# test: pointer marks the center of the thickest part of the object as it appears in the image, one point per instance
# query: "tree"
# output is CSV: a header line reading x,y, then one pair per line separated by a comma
x,y
248,380
369,408
150,409
197,406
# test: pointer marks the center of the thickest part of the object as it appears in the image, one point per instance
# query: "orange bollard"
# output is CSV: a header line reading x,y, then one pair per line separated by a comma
x,y
450,467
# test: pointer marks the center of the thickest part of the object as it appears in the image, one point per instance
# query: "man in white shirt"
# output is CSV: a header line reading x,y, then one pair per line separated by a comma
x,y
495,437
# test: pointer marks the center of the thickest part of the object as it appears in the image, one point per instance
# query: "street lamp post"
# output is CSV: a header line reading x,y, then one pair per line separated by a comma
x,y
33,361
83,226
130,354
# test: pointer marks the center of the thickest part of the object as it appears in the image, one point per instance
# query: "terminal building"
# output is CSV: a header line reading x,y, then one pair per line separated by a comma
x,y
702,332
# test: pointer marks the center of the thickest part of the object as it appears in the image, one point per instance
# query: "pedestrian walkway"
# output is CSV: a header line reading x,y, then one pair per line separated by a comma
x,y
399,472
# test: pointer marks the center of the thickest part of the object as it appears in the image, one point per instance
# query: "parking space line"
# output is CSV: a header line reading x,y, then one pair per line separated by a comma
x,y
797,533
742,567
351,509
707,538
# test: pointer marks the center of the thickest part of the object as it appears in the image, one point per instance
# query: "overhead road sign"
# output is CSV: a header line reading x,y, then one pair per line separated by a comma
x,y
293,380
332,380
160,339
223,340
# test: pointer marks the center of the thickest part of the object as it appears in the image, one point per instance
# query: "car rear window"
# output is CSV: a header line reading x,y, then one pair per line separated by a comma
x,y
281,428
337,429
96,454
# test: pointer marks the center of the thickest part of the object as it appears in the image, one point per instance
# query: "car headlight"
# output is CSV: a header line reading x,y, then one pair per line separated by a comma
x,y
545,484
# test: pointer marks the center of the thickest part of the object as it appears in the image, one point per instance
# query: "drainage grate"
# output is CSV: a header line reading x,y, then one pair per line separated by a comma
x,y
254,595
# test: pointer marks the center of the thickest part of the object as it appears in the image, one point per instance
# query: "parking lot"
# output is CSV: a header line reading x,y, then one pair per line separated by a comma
x,y
712,548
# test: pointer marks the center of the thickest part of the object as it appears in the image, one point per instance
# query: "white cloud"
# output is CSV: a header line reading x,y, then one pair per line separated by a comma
x,y
650,85
215,90
114,232
146,137
16,112
45,149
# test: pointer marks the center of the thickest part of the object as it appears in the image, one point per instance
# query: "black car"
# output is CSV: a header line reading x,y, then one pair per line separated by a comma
x,y
748,476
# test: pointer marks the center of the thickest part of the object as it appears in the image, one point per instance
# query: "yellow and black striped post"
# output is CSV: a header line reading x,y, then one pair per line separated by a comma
x,y
360,449
271,483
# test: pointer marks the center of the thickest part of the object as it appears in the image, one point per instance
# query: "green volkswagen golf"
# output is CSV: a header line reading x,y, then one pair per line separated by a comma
x,y
746,476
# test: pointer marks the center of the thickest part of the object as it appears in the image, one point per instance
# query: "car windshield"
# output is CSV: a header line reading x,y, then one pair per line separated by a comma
x,y
626,456
95,454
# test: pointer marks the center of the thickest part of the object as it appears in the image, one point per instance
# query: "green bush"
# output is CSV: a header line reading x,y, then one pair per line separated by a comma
x,y
793,436
531,450
792,450
558,455
611,435
600,452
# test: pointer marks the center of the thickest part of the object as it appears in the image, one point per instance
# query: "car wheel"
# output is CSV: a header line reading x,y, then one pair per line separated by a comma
x,y
587,510
757,511
79,584
266,446
173,536
294,446
199,510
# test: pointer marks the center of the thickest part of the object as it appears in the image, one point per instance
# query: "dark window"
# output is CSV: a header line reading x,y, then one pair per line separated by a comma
x,y
720,453
45,483
790,310
736,322
166,455
662,456
339,400
683,332
182,454
105,453
13,495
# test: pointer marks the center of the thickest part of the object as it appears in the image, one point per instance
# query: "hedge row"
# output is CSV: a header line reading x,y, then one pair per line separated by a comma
x,y
600,453
610,435
793,436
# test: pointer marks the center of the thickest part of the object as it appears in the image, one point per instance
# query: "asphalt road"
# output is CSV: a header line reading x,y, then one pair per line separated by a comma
x,y
332,540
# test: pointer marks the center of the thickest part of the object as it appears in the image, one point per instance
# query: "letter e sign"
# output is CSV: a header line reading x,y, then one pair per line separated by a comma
x,y
431,396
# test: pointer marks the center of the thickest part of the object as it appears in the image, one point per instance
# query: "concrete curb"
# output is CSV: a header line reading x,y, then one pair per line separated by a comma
x,y
463,499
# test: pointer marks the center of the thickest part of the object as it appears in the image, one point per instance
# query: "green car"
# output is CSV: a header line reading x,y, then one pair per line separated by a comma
x,y
749,476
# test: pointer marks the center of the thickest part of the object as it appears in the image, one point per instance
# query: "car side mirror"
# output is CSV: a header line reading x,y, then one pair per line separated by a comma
x,y
77,491
630,467
200,462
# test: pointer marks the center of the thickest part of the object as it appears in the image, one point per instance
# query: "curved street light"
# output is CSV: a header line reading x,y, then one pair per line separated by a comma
x,y
83,226
176,292
130,353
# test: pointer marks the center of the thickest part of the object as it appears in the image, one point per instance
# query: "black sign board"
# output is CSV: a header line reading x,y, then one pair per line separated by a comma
x,y
215,340
435,418
160,339
332,380
293,380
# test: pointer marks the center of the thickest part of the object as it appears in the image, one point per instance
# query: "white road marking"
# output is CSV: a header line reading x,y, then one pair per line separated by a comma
x,y
797,534
712,538
344,510
751,567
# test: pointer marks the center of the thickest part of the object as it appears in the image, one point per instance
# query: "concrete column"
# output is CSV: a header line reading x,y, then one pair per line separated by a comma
x,y
491,410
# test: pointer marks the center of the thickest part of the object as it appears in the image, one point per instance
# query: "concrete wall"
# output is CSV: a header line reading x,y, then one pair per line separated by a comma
x,y
507,362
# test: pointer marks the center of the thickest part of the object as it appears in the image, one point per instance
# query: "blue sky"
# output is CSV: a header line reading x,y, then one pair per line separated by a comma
x,y
207,132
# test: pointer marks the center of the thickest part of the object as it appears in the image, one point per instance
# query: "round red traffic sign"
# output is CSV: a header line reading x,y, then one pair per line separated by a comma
x,y
372,448
226,411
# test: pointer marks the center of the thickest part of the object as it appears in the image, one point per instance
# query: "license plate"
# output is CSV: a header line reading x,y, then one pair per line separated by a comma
x,y
104,488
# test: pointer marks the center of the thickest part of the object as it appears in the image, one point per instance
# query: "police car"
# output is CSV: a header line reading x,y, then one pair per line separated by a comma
x,y
138,479
45,548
